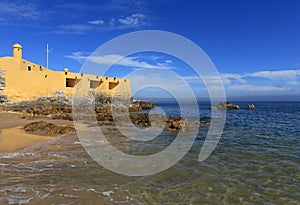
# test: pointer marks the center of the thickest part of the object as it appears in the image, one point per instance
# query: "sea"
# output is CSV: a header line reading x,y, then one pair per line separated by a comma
x,y
257,161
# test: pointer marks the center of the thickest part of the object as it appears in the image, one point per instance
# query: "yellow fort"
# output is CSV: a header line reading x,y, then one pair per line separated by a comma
x,y
22,80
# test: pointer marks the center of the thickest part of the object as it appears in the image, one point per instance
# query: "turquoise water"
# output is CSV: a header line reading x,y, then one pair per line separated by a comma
x,y
257,161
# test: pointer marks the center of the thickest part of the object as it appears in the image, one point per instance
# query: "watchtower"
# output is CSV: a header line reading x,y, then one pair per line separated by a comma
x,y
17,51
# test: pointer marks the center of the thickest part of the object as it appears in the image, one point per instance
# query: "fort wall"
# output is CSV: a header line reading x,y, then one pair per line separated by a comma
x,y
25,80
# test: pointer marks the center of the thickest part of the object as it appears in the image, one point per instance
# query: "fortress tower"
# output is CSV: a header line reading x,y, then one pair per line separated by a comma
x,y
17,51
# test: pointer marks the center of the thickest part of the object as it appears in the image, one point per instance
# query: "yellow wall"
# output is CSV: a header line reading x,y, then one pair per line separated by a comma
x,y
27,81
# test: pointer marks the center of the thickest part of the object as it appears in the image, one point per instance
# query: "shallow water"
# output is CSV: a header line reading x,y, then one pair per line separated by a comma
x,y
256,162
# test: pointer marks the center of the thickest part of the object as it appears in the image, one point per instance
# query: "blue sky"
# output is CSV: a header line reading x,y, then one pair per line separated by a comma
x,y
255,45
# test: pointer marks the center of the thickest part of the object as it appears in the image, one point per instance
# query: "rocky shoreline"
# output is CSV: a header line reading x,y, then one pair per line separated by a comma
x,y
61,108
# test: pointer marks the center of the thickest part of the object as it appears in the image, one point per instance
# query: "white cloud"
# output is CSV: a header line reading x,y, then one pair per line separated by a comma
x,y
226,79
280,74
132,62
230,78
293,82
133,20
250,87
97,22
79,56
162,80
121,60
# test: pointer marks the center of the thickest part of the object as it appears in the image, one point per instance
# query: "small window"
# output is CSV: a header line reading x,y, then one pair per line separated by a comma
x,y
112,85
94,84
29,68
71,82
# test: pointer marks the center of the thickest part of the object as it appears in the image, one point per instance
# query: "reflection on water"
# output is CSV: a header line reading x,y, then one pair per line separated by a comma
x,y
255,163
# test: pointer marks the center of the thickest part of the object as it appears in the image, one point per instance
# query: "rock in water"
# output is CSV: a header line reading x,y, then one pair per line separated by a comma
x,y
225,106
251,107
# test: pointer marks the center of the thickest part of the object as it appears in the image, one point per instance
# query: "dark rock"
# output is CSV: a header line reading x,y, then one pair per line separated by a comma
x,y
137,105
3,98
46,128
225,106
169,123
251,107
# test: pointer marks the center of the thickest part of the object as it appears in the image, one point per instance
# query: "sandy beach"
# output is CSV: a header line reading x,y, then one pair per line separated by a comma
x,y
14,138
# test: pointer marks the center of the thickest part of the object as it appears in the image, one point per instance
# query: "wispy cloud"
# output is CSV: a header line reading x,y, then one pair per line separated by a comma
x,y
97,22
13,11
226,78
73,29
280,74
252,88
161,84
271,81
73,18
132,62
132,21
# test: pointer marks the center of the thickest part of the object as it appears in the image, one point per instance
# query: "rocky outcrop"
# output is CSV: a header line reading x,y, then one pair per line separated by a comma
x,y
225,106
45,128
61,108
3,98
251,107
166,122
49,107
137,105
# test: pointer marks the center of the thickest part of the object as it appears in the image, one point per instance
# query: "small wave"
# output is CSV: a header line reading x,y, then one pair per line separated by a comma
x,y
16,154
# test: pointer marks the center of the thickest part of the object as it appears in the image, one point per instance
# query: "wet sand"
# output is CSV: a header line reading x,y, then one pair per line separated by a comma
x,y
14,138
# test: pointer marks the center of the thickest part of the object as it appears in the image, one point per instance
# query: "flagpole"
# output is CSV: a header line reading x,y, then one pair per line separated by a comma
x,y
47,53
